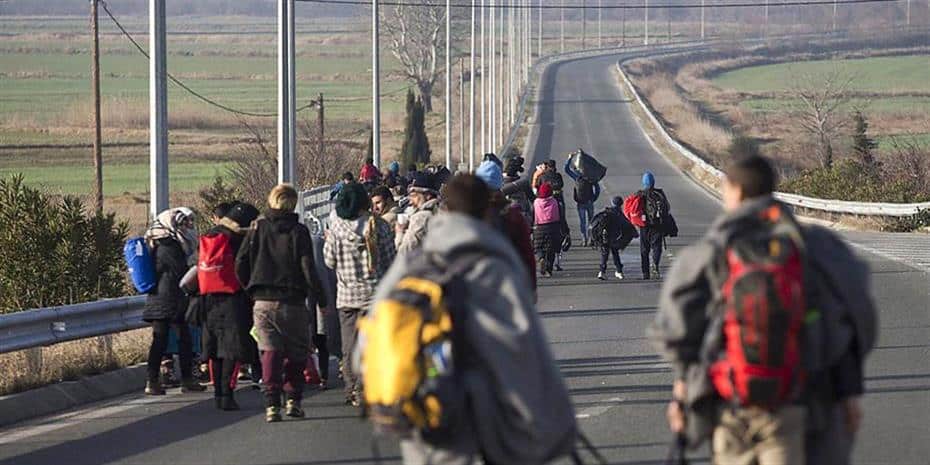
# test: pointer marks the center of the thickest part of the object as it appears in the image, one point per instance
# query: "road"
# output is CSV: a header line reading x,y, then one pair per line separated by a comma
x,y
596,328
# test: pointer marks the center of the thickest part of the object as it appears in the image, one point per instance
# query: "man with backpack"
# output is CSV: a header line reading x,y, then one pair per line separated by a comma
x,y
611,233
453,355
275,266
649,210
767,324
586,193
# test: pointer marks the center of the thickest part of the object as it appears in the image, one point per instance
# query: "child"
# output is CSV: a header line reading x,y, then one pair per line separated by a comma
x,y
611,232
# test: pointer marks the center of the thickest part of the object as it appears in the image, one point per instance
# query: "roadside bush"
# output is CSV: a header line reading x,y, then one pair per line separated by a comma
x,y
851,180
54,252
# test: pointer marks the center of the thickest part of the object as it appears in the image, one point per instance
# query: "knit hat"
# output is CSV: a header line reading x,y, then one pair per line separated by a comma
x,y
649,180
423,182
616,202
243,214
544,191
490,172
394,167
491,157
351,201
369,173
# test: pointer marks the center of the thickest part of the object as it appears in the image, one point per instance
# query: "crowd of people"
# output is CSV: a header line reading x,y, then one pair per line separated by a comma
x,y
433,277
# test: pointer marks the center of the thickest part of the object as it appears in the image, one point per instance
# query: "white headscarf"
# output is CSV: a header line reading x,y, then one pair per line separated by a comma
x,y
171,224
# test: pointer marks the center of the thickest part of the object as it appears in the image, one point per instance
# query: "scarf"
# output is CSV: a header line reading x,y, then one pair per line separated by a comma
x,y
168,224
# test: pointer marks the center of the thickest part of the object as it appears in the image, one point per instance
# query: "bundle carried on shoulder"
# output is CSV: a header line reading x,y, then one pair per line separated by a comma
x,y
589,168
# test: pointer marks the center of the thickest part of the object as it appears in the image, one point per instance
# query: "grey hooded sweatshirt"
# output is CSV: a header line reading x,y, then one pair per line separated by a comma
x,y
521,412
688,326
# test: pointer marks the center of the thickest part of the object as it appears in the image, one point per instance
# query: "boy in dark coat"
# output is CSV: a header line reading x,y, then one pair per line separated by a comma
x,y
611,232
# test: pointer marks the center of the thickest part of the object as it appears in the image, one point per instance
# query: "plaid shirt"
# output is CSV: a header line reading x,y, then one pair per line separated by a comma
x,y
345,252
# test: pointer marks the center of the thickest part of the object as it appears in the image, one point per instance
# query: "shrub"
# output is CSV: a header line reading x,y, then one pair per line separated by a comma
x,y
851,180
54,252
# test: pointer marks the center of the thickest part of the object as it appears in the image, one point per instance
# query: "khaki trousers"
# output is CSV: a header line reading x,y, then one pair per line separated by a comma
x,y
754,436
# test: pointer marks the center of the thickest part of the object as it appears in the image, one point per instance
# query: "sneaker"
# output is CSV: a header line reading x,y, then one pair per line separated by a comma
x,y
153,388
228,403
600,275
244,374
654,271
619,275
584,242
323,386
190,385
293,410
272,414
558,267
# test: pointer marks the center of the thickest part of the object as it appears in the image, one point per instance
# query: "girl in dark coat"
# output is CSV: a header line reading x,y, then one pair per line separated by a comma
x,y
172,239
226,339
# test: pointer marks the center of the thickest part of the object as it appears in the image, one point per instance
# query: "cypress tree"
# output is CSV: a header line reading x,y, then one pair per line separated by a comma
x,y
407,154
863,145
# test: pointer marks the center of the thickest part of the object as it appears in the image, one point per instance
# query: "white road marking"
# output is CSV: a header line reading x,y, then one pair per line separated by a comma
x,y
598,410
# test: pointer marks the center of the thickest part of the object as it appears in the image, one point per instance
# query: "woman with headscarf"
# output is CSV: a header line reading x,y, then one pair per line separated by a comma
x,y
547,229
360,248
173,241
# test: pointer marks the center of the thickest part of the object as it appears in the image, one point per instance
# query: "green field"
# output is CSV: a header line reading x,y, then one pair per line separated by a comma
x,y
117,179
879,74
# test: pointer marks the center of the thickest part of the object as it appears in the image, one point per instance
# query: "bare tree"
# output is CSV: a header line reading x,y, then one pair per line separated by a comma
x,y
417,40
821,102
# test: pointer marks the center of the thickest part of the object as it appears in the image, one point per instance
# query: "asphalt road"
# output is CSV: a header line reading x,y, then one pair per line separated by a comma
x,y
596,328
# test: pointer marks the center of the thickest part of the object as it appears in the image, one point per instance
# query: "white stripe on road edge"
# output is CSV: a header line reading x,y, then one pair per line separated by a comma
x,y
63,420
598,410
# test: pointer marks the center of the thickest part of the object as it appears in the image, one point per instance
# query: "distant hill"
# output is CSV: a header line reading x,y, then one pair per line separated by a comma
x,y
175,8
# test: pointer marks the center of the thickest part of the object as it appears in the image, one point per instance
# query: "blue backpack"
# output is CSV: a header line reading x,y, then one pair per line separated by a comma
x,y
140,263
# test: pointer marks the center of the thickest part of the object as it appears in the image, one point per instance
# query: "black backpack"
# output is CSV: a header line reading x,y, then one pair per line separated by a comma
x,y
584,191
598,230
656,207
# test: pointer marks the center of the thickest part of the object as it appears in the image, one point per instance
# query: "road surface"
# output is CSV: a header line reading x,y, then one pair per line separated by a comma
x,y
618,384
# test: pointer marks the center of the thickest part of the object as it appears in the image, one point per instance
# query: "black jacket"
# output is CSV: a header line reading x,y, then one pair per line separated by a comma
x,y
167,301
276,262
619,230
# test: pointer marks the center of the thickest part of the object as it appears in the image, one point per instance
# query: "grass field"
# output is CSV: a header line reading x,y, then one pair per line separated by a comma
x,y
879,74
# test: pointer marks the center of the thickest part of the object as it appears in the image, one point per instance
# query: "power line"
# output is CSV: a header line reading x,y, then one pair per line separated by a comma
x,y
603,7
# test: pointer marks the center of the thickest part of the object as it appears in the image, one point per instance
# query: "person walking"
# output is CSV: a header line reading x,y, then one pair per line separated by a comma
x,y
360,248
611,233
514,404
424,197
766,324
226,340
173,241
275,266
547,229
586,193
655,213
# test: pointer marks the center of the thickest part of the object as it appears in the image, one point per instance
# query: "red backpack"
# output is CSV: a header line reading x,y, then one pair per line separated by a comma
x,y
216,268
764,308
634,208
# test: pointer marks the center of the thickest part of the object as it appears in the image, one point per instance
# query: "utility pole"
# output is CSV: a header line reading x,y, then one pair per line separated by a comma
x,y
484,87
623,27
539,43
766,27
834,15
668,18
461,111
158,108
646,25
584,23
321,116
471,86
95,75
492,82
908,14
511,55
599,18
561,26
502,79
286,88
702,19
375,88
449,84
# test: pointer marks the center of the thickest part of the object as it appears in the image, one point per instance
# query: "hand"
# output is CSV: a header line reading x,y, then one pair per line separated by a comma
x,y
675,413
853,414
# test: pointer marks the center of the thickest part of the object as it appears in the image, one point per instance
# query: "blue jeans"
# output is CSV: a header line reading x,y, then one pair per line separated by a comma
x,y
585,213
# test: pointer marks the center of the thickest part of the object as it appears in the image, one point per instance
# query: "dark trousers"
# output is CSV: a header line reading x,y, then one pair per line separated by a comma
x,y
348,317
285,372
650,248
319,341
224,374
605,251
160,346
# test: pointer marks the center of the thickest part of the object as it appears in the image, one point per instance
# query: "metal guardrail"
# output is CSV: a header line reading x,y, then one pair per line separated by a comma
x,y
824,205
51,325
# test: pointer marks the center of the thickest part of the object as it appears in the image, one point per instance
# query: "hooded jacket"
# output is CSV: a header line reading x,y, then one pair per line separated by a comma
x,y
275,261
346,252
519,402
167,301
688,325
417,226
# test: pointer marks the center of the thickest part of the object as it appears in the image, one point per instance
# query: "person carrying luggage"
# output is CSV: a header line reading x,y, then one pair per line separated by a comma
x,y
649,209
459,370
228,311
611,233
172,241
766,324
586,192
275,266
547,229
